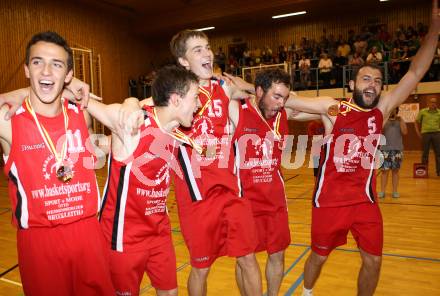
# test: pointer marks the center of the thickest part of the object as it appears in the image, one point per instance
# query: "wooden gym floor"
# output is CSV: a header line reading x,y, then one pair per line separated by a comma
x,y
411,260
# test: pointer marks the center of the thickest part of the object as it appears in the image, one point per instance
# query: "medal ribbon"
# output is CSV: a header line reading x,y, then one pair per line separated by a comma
x,y
179,135
350,106
45,135
276,125
208,102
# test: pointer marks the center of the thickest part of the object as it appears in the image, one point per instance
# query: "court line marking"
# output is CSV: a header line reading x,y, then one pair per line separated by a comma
x,y
383,254
297,259
288,179
300,279
295,285
4,211
11,282
8,270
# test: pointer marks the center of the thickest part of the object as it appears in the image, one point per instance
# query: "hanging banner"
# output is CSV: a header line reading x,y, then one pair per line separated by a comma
x,y
409,112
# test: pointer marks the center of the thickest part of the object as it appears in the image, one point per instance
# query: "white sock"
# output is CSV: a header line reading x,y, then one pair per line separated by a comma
x,y
307,292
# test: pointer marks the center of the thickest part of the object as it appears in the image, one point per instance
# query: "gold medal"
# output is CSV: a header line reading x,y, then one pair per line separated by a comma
x,y
333,110
64,173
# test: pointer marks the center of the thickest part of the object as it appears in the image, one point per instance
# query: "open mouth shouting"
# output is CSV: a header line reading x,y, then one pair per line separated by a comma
x,y
46,85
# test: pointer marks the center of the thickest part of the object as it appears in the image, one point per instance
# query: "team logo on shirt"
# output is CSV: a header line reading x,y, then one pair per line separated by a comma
x,y
50,166
263,148
203,126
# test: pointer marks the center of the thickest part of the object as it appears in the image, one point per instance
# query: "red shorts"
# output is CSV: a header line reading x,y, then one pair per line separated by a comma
x,y
272,231
221,225
330,227
64,260
128,268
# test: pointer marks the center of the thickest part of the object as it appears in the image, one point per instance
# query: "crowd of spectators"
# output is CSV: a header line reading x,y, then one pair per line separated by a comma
x,y
328,55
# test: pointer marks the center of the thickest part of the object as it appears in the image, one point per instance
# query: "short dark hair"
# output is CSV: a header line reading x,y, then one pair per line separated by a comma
x,y
178,42
372,66
265,78
171,80
50,37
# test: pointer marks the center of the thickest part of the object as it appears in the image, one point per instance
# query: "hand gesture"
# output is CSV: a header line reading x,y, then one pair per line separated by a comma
x,y
79,91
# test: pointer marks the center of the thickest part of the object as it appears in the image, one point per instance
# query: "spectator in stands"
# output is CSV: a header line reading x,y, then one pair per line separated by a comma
x,y
392,152
395,65
304,71
220,59
375,56
410,32
232,64
413,44
266,56
247,57
343,51
360,46
282,54
382,34
356,60
257,56
351,39
332,45
427,127
421,30
325,67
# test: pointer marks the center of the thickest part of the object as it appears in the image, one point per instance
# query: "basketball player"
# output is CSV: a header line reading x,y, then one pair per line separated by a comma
x,y
214,218
260,127
52,185
134,216
345,194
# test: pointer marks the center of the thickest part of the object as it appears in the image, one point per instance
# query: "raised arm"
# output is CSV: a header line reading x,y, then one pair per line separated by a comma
x,y
419,65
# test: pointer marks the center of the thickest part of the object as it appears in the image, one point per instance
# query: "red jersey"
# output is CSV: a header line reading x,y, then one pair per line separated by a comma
x,y
213,173
134,215
347,175
259,156
38,198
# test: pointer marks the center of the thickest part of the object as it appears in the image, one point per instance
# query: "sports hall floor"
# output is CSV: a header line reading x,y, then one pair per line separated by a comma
x,y
411,261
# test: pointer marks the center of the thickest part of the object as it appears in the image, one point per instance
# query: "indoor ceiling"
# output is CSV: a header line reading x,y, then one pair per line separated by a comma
x,y
155,17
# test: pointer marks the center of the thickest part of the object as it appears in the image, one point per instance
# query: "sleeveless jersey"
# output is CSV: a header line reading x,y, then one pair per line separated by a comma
x,y
258,155
38,198
134,215
347,164
213,173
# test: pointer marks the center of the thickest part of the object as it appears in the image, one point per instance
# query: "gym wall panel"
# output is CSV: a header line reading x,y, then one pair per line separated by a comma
x,y
105,31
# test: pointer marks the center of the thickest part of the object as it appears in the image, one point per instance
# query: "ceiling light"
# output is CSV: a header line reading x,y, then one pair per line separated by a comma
x,y
383,0
289,14
206,28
